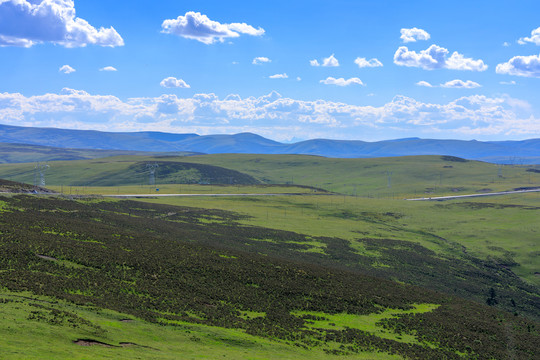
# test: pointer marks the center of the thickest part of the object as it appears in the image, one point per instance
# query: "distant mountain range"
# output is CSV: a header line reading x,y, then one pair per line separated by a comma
x,y
516,152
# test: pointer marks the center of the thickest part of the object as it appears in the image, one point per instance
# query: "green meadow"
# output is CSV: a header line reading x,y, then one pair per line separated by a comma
x,y
411,176
334,264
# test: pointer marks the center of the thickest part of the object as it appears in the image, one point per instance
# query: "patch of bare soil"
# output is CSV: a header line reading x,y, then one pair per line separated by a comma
x,y
91,342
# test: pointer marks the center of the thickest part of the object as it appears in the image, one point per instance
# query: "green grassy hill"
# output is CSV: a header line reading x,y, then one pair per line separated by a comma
x,y
384,177
245,291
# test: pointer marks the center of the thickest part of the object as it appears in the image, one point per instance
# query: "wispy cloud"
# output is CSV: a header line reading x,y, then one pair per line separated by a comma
x,y
279,76
108,68
197,26
25,23
260,60
424,84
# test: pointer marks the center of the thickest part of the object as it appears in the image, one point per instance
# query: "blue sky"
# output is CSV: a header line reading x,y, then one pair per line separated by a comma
x,y
287,70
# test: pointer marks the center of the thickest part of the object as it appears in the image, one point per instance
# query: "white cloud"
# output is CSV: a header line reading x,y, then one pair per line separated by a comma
x,y
507,82
453,84
414,34
506,44
66,69
272,115
298,78
436,57
108,68
172,82
341,81
460,84
196,26
362,62
260,60
279,76
330,61
28,22
535,38
527,66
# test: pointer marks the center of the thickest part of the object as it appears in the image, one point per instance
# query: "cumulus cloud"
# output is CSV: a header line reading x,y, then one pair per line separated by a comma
x,y
453,84
197,26
534,38
330,61
341,81
279,76
172,82
25,23
108,68
436,57
362,62
527,66
260,60
272,115
414,34
460,84
66,69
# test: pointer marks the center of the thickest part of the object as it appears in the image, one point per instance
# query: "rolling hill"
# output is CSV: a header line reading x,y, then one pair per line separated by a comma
x,y
513,152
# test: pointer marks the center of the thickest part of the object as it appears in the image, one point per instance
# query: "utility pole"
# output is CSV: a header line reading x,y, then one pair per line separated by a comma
x,y
152,173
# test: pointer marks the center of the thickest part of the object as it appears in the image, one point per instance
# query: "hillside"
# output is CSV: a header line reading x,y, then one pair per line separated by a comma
x,y
508,152
382,177
241,278
21,153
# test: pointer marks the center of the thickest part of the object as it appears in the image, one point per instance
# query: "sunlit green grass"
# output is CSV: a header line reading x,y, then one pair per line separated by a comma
x,y
26,338
180,189
396,177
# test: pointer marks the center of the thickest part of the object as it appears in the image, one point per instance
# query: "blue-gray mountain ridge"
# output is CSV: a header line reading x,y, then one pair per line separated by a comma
x,y
515,152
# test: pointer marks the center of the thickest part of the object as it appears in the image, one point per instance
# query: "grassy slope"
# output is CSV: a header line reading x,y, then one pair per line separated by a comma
x,y
24,338
411,176
83,235
504,229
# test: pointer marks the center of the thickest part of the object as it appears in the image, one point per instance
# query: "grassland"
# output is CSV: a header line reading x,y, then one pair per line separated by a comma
x,y
327,271
253,286
41,327
384,177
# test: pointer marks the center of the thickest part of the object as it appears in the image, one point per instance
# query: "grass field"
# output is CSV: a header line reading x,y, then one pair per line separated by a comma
x,y
39,327
413,176
202,283
271,252
502,228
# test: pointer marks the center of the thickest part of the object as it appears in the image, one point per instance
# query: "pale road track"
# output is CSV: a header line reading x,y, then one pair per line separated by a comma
x,y
190,195
439,198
